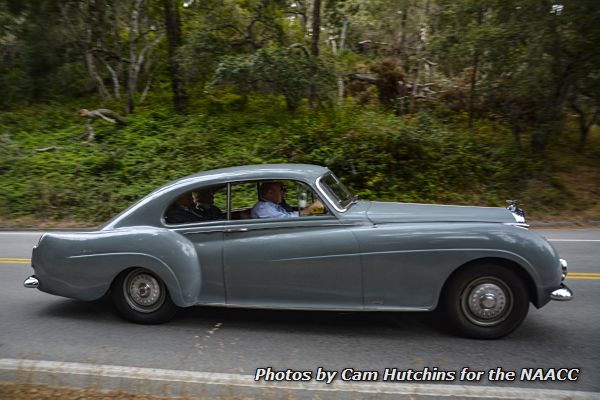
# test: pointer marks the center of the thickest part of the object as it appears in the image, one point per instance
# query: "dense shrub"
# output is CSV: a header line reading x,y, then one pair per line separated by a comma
x,y
419,158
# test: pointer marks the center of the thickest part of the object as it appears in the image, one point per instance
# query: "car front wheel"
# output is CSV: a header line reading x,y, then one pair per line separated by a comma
x,y
142,297
485,301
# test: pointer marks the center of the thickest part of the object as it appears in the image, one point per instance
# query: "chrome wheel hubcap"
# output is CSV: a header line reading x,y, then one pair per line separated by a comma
x,y
486,301
143,292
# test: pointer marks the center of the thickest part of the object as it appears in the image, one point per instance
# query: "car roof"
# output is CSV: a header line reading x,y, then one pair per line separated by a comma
x,y
141,212
260,171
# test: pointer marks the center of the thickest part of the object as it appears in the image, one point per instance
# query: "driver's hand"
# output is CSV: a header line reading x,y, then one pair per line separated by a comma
x,y
316,207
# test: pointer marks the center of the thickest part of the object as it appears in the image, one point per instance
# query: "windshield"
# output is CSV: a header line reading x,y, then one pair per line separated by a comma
x,y
336,191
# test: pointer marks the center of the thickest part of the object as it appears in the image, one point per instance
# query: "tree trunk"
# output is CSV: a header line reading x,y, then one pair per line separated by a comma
x,y
474,73
517,134
115,79
416,70
584,126
117,72
340,80
133,68
402,47
314,50
89,60
316,28
173,25
473,86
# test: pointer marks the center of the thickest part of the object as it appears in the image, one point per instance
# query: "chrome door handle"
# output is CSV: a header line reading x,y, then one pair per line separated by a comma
x,y
203,232
236,230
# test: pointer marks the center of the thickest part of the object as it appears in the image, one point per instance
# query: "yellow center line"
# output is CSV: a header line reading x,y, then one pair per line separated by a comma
x,y
584,273
585,278
14,262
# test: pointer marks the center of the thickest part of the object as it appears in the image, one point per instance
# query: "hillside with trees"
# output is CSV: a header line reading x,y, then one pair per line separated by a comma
x,y
463,101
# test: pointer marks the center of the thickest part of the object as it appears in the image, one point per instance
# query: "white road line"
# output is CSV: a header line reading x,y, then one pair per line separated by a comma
x,y
574,240
24,233
190,378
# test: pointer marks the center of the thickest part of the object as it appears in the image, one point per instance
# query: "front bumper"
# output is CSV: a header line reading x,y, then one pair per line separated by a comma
x,y
32,282
563,293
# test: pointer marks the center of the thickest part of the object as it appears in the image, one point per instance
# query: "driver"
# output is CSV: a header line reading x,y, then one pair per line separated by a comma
x,y
271,195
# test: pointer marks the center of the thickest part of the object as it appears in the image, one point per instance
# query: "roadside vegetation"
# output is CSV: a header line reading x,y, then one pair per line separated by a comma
x,y
425,157
461,102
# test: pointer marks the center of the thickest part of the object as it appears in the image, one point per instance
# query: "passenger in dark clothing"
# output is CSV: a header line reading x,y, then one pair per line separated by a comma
x,y
204,203
194,207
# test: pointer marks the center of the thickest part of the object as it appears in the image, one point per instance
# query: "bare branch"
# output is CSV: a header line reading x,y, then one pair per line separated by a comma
x,y
46,149
301,47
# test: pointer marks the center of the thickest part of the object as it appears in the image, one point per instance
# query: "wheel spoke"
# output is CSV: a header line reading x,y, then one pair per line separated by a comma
x,y
143,292
486,301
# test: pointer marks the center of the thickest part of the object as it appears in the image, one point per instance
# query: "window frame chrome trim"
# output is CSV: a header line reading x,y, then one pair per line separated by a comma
x,y
323,192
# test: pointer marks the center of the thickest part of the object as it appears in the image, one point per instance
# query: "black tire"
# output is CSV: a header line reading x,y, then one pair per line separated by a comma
x,y
142,297
484,301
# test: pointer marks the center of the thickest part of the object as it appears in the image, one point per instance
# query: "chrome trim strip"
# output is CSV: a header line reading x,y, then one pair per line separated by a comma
x,y
517,224
324,194
563,266
357,308
228,201
206,231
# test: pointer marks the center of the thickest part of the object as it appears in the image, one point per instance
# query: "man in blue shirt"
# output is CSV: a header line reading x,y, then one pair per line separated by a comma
x,y
271,194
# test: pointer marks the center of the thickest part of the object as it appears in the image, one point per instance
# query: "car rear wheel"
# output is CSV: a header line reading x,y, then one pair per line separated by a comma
x,y
485,301
142,297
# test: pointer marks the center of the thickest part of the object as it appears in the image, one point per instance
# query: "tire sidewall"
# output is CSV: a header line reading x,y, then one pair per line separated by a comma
x,y
456,288
164,313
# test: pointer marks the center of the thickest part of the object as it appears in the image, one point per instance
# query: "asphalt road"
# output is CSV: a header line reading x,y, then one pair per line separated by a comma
x,y
38,326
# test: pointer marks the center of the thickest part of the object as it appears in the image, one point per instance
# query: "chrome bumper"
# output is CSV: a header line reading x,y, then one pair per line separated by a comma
x,y
31,282
563,293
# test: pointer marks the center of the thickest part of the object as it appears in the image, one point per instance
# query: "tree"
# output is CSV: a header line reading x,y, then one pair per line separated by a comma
x,y
216,29
585,101
143,36
278,71
314,48
173,27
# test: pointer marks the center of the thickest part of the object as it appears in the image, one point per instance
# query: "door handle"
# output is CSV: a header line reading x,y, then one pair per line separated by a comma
x,y
203,232
236,230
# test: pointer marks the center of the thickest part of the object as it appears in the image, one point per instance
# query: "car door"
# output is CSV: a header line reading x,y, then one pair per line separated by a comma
x,y
207,237
301,262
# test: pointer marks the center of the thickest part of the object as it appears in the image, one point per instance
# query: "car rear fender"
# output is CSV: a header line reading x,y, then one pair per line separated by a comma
x,y
83,265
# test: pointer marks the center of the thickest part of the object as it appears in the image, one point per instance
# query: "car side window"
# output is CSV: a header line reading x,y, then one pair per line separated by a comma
x,y
199,205
274,199
306,197
243,197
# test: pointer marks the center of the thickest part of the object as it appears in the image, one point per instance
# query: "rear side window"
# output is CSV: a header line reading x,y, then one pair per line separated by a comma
x,y
199,205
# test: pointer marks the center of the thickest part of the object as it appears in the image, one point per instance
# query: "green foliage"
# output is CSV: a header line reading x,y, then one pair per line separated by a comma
x,y
519,68
380,156
278,71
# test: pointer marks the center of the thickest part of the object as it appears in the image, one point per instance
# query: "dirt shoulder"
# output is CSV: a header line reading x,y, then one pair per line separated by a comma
x,y
22,391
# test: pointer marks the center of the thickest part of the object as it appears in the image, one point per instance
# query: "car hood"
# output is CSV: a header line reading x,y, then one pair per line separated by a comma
x,y
380,213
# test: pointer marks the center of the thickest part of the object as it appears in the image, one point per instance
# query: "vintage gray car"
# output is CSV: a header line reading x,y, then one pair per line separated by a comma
x,y
202,240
